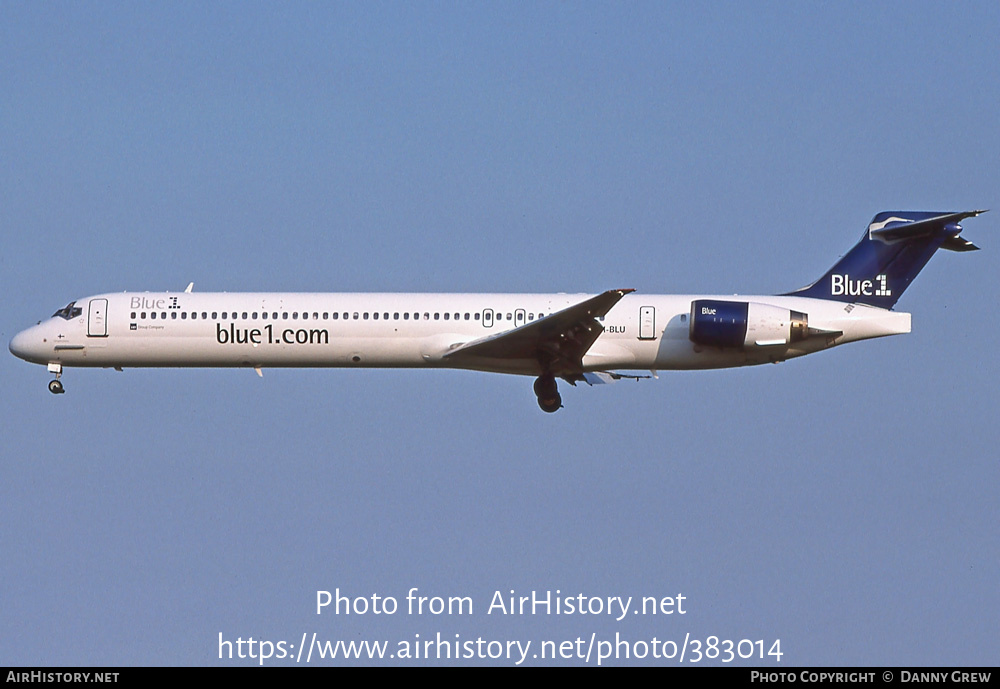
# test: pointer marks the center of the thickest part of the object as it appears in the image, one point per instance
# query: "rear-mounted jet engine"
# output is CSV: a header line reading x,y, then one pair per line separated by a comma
x,y
742,324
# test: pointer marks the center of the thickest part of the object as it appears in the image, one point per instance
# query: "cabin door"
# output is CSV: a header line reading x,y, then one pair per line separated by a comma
x,y
97,319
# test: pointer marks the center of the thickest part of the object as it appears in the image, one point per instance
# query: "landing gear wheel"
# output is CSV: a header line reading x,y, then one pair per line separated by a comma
x,y
548,393
56,387
549,405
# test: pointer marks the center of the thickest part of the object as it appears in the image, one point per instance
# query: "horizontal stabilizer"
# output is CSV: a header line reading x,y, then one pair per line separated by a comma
x,y
894,229
959,244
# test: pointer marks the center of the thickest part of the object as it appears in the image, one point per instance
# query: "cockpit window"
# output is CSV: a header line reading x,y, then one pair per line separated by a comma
x,y
69,312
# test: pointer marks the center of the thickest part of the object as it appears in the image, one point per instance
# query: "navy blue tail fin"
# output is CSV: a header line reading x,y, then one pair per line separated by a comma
x,y
894,248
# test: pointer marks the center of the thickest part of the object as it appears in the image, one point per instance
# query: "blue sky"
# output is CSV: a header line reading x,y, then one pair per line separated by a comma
x,y
844,503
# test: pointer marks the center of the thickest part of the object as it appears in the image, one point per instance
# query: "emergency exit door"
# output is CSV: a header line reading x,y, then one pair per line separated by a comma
x,y
647,323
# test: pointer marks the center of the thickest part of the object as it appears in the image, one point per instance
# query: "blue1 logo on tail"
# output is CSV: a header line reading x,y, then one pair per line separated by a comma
x,y
843,285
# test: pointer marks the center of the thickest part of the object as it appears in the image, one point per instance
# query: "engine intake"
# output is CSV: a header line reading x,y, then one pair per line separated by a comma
x,y
743,325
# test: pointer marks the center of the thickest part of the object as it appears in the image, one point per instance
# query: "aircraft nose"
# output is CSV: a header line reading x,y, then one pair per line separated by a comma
x,y
21,345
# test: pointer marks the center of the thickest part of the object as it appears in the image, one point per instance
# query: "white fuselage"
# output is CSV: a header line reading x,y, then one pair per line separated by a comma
x,y
260,330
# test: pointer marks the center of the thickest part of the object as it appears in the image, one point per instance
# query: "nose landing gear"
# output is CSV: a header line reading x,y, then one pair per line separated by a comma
x,y
56,386
547,393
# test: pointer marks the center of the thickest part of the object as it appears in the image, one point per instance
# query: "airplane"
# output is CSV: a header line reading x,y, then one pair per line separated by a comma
x,y
578,338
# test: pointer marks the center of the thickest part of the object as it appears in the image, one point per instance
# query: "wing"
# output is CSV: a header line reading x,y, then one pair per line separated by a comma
x,y
557,342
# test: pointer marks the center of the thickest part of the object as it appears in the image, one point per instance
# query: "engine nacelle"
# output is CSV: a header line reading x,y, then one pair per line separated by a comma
x,y
743,325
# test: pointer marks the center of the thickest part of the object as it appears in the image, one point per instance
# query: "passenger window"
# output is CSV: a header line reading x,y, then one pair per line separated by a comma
x,y
446,316
142,315
173,315
406,316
